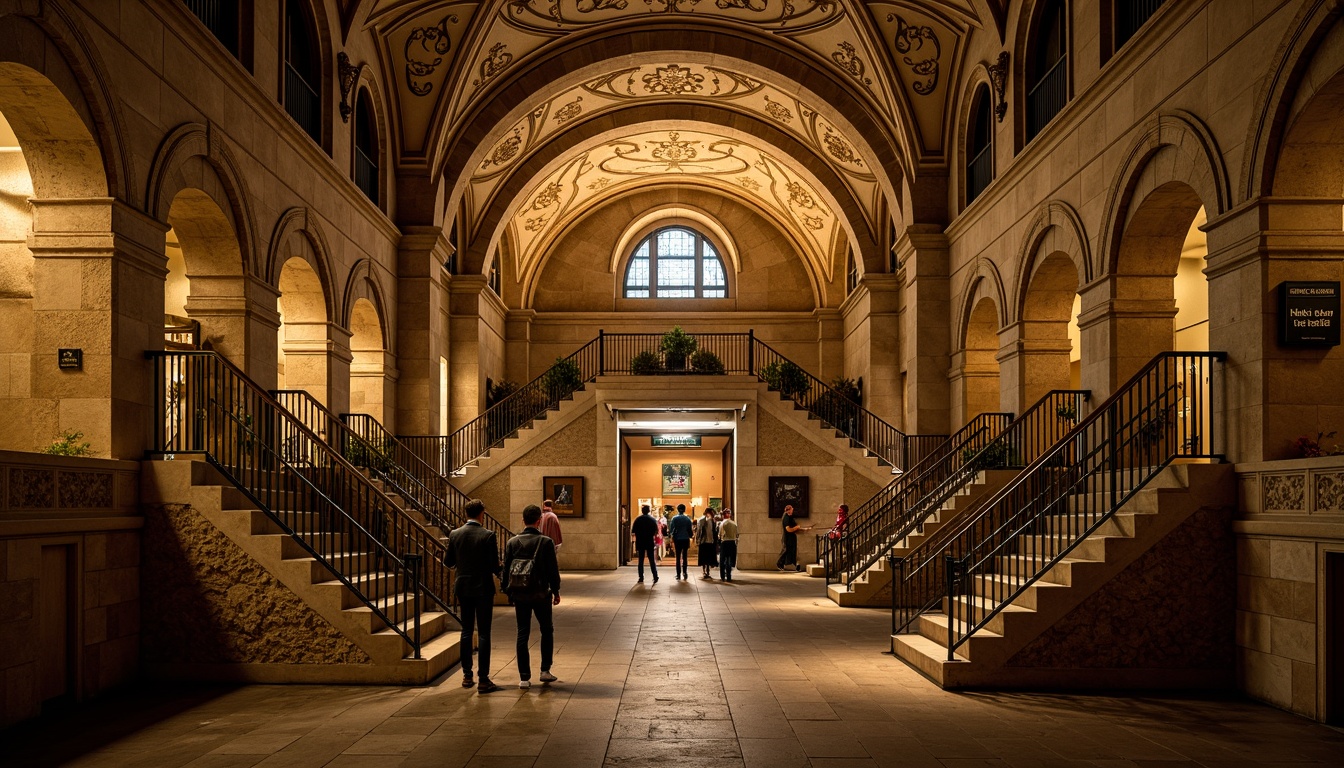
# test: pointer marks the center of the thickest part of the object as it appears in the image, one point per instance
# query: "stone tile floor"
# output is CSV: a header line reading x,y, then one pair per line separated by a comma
x,y
764,671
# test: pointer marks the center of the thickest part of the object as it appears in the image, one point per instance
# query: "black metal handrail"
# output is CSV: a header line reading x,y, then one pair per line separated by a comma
x,y
366,175
302,102
979,172
205,405
1165,412
419,481
897,510
1047,97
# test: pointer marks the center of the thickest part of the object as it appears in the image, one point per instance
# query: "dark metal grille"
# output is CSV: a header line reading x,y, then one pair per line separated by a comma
x,y
366,175
220,17
1130,15
1047,97
979,173
302,103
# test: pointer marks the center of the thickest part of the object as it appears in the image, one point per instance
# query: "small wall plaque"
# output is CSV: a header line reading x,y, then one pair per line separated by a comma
x,y
1309,314
71,359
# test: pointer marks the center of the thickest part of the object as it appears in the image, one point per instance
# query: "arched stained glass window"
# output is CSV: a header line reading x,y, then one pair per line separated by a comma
x,y
675,263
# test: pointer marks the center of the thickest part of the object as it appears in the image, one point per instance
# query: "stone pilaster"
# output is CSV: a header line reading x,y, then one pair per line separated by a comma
x,y
422,329
872,347
1273,394
98,275
239,320
926,334
1033,359
476,319
1122,328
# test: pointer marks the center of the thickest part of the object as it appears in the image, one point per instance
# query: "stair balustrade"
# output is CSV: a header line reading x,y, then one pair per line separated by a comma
x,y
1007,543
206,406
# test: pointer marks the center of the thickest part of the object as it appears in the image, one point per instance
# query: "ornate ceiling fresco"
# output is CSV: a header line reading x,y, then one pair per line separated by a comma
x,y
688,154
833,142
454,69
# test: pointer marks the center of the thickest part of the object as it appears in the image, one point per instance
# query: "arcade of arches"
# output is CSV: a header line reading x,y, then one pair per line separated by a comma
x,y
944,203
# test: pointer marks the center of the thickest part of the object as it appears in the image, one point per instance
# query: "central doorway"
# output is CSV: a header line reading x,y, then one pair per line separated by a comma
x,y
669,464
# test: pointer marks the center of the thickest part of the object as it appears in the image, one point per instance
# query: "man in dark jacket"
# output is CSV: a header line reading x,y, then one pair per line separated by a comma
x,y
682,529
474,552
645,528
533,545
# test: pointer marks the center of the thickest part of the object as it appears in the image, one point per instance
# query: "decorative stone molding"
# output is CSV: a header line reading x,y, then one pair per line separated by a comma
x,y
347,74
1297,487
998,77
34,484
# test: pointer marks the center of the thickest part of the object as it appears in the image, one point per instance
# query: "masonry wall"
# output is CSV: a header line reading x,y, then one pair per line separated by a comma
x,y
70,608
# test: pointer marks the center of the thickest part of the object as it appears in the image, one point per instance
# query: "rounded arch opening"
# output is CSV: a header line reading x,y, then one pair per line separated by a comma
x,y
368,366
980,366
1050,307
301,360
205,275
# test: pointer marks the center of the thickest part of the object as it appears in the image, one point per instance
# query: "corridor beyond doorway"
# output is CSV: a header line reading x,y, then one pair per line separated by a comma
x,y
688,673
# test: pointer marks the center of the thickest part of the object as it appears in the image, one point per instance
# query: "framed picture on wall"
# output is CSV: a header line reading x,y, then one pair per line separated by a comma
x,y
676,479
715,502
789,490
566,494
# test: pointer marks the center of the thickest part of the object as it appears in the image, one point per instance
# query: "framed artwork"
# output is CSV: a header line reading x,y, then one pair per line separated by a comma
x,y
566,493
715,502
676,479
789,490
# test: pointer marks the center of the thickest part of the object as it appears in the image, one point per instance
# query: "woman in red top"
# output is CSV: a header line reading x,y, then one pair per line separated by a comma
x,y
841,519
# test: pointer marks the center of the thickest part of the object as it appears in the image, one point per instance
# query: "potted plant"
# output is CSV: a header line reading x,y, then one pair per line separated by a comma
x,y
676,345
645,363
785,377
996,455
70,443
1067,412
704,361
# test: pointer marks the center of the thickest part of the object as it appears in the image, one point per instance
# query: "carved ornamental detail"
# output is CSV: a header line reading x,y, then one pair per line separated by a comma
x,y
911,38
424,52
998,77
348,74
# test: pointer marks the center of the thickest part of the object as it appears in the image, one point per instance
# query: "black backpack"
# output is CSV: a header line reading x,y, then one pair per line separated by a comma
x,y
524,582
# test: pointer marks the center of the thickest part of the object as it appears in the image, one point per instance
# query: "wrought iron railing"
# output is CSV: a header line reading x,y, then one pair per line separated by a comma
x,y
1007,543
418,481
1130,15
366,175
897,510
979,172
1047,97
616,353
205,405
302,102
220,17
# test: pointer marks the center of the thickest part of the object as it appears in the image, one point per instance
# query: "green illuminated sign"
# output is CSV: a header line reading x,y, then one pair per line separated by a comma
x,y
676,441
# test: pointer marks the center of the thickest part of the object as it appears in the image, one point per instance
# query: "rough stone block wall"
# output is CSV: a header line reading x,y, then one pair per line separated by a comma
x,y
207,602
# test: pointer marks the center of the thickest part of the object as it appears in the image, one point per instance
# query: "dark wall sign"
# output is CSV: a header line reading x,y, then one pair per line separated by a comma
x,y
70,359
1309,314
785,491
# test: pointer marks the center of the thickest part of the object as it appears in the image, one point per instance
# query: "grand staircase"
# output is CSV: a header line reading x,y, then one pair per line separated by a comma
x,y
264,482
978,459
1048,581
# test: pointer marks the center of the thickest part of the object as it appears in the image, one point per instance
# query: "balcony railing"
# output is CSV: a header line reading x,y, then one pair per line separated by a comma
x,y
1047,97
366,175
220,17
302,103
1130,15
979,172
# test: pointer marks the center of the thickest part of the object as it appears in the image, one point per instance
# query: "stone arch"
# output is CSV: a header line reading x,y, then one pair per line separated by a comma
x,y
295,229
1038,352
1309,54
1172,147
367,83
69,101
1056,228
977,78
363,284
373,371
194,157
975,370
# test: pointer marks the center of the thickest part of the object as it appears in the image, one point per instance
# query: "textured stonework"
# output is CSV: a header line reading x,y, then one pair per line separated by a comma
x,y
576,445
207,602
495,493
1285,493
1170,609
858,488
31,488
779,445
85,490
1329,493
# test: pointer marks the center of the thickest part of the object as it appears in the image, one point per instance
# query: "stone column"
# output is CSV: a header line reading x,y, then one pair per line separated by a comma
x,y
317,359
926,332
830,344
239,320
98,275
518,344
476,319
1272,394
1033,359
373,383
872,349
422,329
1122,328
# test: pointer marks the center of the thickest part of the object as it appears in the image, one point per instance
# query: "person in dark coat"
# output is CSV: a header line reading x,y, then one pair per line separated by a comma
x,y
474,551
533,544
646,529
682,529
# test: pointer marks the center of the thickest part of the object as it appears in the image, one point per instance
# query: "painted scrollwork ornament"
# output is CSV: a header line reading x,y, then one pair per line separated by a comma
x,y
424,52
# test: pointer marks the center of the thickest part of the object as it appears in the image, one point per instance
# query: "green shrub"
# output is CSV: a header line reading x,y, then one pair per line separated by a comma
x,y
374,454
784,376
677,345
646,363
563,378
70,443
704,361
997,455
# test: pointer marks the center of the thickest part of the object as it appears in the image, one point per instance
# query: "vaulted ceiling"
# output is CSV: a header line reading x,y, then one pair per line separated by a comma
x,y
531,111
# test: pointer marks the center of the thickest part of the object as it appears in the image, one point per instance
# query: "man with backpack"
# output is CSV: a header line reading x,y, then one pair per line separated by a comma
x,y
531,579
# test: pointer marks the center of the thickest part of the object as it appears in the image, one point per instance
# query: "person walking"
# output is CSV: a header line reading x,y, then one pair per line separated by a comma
x,y
704,538
647,538
550,524
473,550
536,599
788,559
682,530
727,545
